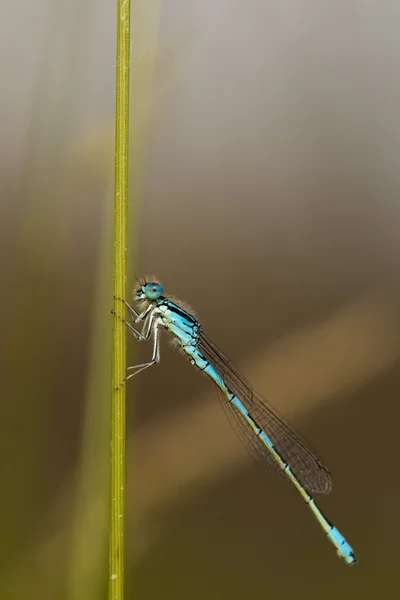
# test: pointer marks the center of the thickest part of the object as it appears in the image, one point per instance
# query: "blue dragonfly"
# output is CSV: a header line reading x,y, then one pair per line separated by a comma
x,y
268,437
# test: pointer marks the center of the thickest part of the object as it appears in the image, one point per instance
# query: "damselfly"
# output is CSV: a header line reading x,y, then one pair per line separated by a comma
x,y
259,425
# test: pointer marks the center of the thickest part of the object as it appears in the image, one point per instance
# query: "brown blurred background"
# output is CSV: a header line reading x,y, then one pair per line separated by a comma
x,y
264,191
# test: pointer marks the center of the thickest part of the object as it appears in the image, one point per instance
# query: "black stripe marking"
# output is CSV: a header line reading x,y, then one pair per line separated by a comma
x,y
173,308
250,418
207,365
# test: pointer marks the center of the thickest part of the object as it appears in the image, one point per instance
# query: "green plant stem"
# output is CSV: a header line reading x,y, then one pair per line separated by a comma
x,y
118,434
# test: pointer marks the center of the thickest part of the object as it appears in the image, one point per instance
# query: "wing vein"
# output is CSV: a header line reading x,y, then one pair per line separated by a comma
x,y
304,462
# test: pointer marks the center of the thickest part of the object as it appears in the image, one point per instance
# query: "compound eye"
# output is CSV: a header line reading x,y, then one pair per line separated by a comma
x,y
153,291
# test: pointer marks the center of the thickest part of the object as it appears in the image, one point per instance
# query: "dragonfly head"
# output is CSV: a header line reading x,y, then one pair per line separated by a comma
x,y
149,291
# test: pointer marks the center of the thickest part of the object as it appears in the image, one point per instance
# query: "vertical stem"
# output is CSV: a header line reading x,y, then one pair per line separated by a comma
x,y
116,564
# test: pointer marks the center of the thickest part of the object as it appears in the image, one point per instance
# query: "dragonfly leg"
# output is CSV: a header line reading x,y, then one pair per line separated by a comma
x,y
155,359
139,335
133,314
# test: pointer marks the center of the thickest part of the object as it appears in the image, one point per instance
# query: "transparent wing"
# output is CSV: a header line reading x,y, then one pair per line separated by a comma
x,y
308,468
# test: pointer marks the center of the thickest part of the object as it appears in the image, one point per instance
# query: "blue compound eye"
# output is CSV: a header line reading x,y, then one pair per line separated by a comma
x,y
153,291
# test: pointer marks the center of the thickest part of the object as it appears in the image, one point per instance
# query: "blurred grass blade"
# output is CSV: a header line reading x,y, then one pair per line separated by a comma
x,y
90,522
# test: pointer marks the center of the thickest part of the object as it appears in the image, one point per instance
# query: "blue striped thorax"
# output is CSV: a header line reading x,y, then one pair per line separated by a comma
x,y
179,322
